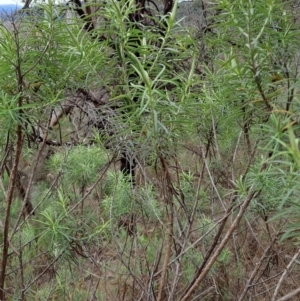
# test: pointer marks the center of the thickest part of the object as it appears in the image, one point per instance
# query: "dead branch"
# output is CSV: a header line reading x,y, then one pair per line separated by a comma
x,y
290,295
243,207
284,274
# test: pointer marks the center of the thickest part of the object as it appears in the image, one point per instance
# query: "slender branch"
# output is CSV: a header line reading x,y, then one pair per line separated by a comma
x,y
222,244
257,267
284,274
261,91
20,257
9,198
27,4
209,252
169,204
43,272
290,295
26,197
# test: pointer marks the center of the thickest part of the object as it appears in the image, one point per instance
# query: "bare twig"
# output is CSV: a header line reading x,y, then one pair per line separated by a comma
x,y
222,244
211,179
290,295
44,271
257,267
214,128
20,257
284,275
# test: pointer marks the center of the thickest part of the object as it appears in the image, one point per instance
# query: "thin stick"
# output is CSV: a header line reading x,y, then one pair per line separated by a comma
x,y
221,246
290,295
284,274
257,267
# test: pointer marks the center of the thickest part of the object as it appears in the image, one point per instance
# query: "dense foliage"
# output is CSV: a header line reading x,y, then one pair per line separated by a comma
x,y
147,158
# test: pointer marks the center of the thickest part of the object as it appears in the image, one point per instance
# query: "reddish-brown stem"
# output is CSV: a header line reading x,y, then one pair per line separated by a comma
x,y
9,199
